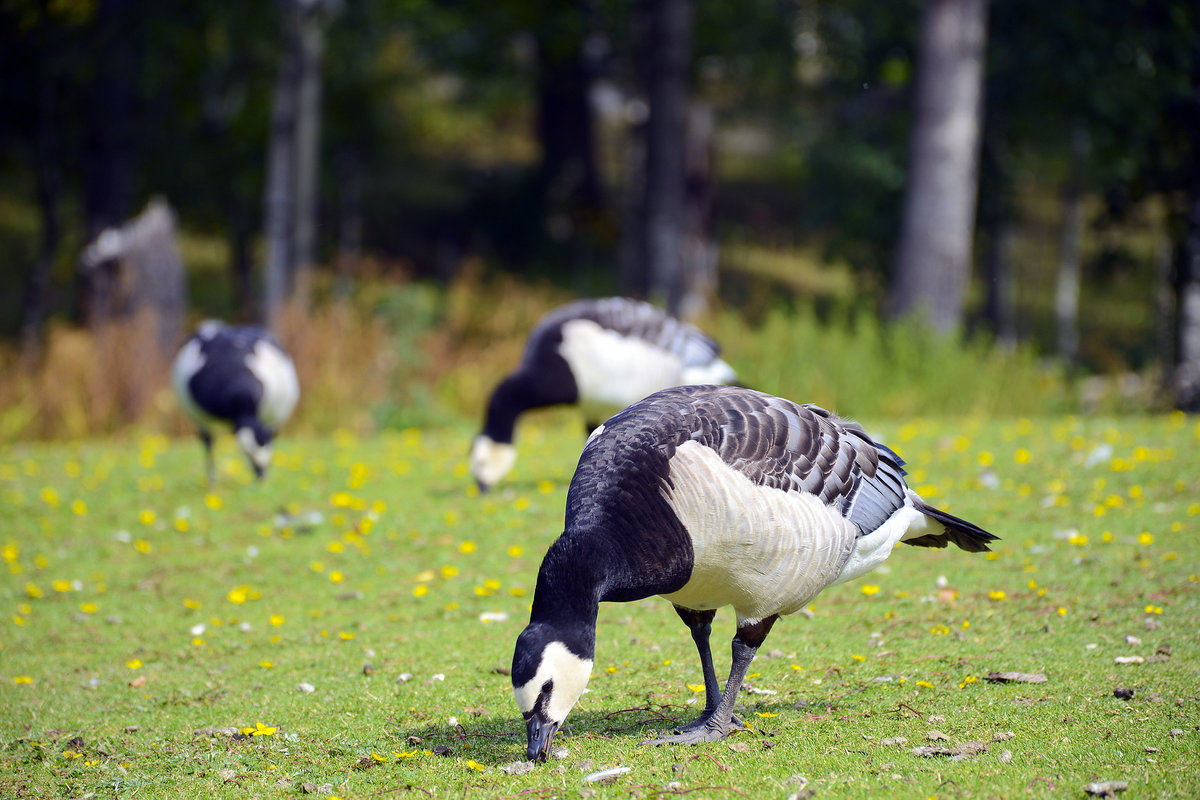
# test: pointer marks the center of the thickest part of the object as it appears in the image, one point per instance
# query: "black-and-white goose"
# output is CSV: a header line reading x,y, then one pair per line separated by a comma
x,y
238,375
712,496
602,354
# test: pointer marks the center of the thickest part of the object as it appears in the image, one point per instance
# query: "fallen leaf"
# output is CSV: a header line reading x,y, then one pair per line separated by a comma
x,y
893,740
1003,736
928,751
517,768
1005,757
1015,677
968,749
215,731
1129,660
1106,788
937,736
606,775
739,747
138,682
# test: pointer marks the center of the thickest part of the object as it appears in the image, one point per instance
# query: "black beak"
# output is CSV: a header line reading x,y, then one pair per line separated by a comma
x,y
258,471
541,735
483,487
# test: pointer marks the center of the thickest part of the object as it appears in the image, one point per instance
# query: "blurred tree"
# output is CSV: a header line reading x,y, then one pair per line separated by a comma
x,y
933,259
293,161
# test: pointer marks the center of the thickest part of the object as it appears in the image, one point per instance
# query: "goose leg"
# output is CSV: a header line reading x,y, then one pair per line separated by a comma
x,y
717,724
210,467
700,624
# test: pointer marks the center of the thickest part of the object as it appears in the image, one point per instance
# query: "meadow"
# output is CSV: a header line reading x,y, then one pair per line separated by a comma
x,y
345,627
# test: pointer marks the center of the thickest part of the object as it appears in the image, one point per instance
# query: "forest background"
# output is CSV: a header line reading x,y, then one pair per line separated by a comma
x,y
398,188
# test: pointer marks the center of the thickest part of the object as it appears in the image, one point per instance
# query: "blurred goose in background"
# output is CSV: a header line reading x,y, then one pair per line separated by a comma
x,y
712,496
601,354
238,375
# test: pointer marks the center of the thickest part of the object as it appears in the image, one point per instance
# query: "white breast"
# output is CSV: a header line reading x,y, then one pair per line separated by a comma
x,y
615,370
281,387
187,363
761,550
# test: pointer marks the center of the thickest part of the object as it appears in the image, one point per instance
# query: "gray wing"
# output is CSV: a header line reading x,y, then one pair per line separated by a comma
x,y
800,448
643,320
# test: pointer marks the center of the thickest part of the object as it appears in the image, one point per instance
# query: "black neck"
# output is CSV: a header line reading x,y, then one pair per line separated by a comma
x,y
512,397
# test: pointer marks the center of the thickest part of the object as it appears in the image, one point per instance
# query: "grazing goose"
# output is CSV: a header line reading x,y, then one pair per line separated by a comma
x,y
237,375
602,354
712,496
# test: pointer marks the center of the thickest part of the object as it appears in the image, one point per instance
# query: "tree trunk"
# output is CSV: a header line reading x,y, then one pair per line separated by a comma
x,y
49,189
311,46
568,175
1001,295
699,279
934,254
1070,254
109,143
280,190
1187,372
666,131
350,220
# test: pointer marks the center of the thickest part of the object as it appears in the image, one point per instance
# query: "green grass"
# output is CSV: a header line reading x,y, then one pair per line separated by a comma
x,y
115,554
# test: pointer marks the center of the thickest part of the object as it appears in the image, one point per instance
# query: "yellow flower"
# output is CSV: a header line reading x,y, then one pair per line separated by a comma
x,y
398,754
88,608
259,730
134,663
765,714
420,590
696,687
22,679
212,501
1145,538
265,664
238,595
276,620
967,681
925,684
449,571
870,589
467,547
378,757
336,576
997,594
190,603
475,765
858,657
61,585
515,550
345,635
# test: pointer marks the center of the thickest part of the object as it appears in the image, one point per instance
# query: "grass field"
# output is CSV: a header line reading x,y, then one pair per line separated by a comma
x,y
345,628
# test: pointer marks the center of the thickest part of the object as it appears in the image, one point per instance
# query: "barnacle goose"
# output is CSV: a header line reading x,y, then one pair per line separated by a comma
x,y
600,353
239,375
712,496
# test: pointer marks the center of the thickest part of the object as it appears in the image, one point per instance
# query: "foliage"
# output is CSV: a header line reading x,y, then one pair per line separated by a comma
x,y
344,627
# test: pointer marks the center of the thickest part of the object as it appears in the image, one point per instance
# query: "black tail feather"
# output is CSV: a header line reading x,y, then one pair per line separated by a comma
x,y
966,535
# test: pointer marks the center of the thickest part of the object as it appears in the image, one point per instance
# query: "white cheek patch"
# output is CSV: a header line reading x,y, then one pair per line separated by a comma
x,y
259,454
568,674
491,461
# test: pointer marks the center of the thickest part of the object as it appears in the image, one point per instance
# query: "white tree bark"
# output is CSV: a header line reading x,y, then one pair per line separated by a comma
x,y
934,256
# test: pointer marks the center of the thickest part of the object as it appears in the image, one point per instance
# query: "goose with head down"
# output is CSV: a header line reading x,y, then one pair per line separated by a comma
x,y
601,354
712,496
